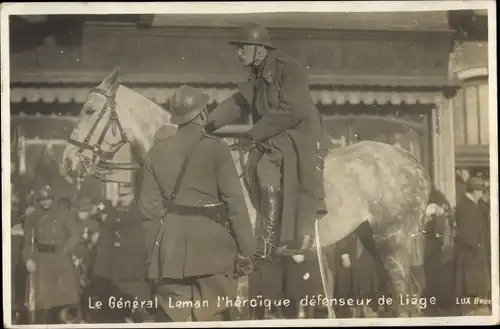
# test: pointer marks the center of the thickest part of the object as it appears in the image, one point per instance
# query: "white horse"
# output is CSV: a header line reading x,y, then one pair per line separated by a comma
x,y
367,182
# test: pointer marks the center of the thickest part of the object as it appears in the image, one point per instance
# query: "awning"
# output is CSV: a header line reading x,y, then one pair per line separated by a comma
x,y
160,95
472,156
403,20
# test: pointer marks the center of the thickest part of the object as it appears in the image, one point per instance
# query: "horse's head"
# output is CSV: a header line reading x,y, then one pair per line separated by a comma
x,y
98,133
112,116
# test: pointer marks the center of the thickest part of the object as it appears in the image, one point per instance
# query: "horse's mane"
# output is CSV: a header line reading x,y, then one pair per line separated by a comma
x,y
145,116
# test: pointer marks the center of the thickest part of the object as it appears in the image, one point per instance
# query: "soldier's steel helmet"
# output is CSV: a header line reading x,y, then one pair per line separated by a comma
x,y
186,103
44,193
253,34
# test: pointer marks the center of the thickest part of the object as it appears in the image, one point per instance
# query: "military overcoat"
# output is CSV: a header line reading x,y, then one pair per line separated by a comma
x,y
56,278
284,115
193,245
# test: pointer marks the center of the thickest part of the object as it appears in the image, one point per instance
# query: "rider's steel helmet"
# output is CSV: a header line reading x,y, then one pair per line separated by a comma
x,y
253,34
44,193
186,104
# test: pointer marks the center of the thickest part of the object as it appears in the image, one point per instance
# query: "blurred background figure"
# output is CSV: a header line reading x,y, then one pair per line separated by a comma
x,y
462,175
269,283
355,276
88,227
50,237
484,206
120,263
438,262
303,279
18,274
471,256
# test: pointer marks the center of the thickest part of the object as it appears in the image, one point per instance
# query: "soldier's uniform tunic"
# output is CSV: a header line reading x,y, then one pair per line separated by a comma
x,y
56,236
195,259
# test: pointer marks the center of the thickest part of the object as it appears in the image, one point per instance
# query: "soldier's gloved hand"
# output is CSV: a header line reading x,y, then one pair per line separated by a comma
x,y
17,230
244,265
76,261
30,265
209,128
346,260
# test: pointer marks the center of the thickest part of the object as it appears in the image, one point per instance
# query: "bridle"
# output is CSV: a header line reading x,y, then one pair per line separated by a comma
x,y
105,166
237,146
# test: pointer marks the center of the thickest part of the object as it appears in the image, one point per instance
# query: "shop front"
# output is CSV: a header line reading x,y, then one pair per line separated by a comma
x,y
372,79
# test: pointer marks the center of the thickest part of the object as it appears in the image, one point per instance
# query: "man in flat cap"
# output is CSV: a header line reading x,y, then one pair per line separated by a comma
x,y
286,180
472,277
192,192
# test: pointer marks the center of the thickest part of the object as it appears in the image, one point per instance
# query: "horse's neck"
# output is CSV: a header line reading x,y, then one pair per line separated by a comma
x,y
141,118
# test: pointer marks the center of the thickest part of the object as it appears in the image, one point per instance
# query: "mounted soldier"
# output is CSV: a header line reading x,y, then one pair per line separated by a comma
x,y
282,175
51,235
191,190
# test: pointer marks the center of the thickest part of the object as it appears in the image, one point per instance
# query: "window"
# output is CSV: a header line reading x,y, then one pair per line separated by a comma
x,y
471,112
471,119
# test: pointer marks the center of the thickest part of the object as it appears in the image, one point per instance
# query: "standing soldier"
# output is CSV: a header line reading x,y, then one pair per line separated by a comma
x,y
51,236
17,240
287,129
191,190
88,228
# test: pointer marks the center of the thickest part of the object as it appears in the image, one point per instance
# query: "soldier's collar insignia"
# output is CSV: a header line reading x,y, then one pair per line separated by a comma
x,y
282,58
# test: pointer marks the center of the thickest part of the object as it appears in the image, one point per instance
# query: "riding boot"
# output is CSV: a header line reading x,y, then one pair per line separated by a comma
x,y
270,224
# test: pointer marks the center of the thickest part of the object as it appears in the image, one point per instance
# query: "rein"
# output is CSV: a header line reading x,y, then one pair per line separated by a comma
x,y
103,166
237,146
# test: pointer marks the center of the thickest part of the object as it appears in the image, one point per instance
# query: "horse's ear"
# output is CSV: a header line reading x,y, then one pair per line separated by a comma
x,y
111,83
115,81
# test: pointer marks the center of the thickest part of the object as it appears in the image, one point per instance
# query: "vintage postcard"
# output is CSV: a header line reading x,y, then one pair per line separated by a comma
x,y
249,164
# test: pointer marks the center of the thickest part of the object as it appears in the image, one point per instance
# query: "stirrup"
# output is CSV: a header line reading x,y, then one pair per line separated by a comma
x,y
268,253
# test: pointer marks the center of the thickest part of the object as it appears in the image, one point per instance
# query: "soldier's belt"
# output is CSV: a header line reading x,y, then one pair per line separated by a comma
x,y
216,212
47,248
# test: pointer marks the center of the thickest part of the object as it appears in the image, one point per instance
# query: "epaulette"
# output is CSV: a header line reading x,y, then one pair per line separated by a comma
x,y
282,58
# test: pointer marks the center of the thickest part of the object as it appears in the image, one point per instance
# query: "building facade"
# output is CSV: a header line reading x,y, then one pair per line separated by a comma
x,y
471,115
372,75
